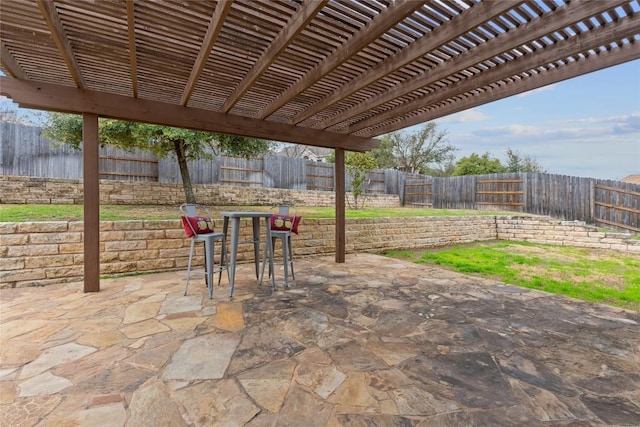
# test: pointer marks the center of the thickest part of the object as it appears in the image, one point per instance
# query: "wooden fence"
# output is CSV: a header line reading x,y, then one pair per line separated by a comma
x,y
609,203
617,207
418,191
499,192
320,176
23,151
241,172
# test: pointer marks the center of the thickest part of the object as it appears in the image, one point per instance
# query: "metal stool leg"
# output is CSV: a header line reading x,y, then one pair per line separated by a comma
x,y
293,274
224,263
209,264
269,258
285,259
193,243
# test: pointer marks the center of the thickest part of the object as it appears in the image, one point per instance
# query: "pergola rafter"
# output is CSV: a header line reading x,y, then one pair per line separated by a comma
x,y
10,64
443,34
286,35
348,67
510,87
50,15
559,51
515,38
215,26
131,25
379,25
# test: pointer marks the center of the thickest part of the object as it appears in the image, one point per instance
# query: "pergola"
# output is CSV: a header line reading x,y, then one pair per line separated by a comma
x,y
330,73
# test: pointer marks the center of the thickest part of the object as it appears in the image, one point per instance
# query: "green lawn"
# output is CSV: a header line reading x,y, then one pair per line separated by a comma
x,y
588,274
32,212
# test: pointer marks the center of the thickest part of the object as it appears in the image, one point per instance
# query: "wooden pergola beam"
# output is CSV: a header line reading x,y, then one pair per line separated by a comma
x,y
616,56
10,64
573,12
476,15
624,28
379,24
297,23
210,37
46,96
50,15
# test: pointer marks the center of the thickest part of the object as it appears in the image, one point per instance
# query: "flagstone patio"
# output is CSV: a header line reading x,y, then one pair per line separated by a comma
x,y
372,342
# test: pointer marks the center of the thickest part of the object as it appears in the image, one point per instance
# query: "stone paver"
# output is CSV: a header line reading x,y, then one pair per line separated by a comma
x,y
373,341
202,358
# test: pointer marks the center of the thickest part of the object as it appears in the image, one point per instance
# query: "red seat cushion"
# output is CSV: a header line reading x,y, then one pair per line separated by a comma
x,y
285,223
197,225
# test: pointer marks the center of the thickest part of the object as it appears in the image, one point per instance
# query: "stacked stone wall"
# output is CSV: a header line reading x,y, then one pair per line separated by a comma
x,y
569,233
19,190
42,253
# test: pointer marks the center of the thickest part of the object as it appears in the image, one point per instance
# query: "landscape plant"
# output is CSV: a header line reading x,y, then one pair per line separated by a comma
x,y
517,162
358,165
475,164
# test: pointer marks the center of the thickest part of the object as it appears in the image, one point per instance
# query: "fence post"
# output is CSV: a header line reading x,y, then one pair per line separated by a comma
x,y
525,191
474,182
592,201
402,180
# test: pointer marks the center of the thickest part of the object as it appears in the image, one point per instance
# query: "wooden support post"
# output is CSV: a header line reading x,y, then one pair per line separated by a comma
x,y
340,206
91,179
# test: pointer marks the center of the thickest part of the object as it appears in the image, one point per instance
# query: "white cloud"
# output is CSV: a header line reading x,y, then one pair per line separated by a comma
x,y
540,89
508,131
627,123
587,130
466,116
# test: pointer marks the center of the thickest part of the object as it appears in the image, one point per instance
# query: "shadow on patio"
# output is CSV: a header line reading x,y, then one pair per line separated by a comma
x,y
374,341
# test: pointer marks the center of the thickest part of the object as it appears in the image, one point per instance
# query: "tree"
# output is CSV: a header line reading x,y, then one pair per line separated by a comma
x,y
446,168
293,150
11,113
239,146
383,153
478,165
358,165
414,152
518,163
163,141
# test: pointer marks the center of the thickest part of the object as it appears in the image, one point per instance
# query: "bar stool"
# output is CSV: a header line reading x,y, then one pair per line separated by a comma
x,y
197,224
284,222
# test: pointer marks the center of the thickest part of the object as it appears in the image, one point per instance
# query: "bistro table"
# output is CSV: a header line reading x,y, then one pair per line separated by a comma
x,y
235,233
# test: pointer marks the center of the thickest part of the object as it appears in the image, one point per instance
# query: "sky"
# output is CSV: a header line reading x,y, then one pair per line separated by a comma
x,y
588,126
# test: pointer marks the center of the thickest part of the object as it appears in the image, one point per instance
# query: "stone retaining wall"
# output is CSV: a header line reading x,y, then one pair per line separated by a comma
x,y
42,253
568,233
19,189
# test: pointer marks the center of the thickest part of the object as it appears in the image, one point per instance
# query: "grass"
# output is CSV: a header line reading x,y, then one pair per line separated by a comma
x,y
49,212
587,274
